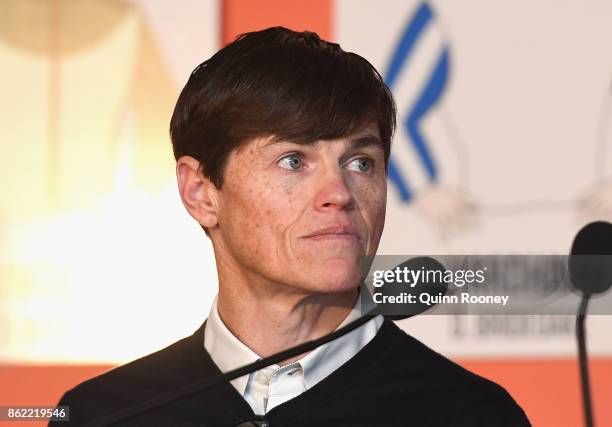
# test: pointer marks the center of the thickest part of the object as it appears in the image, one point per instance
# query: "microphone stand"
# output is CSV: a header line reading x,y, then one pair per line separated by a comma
x,y
583,360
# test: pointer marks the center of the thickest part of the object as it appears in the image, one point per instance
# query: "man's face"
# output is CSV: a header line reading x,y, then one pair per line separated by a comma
x,y
303,216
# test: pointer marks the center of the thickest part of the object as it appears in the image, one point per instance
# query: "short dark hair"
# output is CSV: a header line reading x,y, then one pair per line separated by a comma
x,y
276,82
279,82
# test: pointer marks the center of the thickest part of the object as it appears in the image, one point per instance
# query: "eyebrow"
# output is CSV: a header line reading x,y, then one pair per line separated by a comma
x,y
365,141
353,143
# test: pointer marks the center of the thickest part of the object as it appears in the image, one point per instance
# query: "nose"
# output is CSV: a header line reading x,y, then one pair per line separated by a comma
x,y
333,191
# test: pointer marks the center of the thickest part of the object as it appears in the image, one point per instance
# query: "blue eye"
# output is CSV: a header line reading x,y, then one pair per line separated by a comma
x,y
291,162
363,164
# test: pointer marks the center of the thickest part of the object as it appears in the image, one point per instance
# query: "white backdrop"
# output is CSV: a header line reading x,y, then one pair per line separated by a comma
x,y
518,135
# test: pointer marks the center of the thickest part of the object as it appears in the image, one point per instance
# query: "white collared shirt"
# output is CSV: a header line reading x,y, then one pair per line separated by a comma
x,y
274,385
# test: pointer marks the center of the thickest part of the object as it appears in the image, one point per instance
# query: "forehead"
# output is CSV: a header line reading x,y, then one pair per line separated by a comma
x,y
364,136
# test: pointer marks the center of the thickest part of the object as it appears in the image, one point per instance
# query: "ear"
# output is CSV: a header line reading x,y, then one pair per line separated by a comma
x,y
198,193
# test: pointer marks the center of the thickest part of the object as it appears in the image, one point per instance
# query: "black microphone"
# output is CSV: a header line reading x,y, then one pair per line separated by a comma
x,y
434,288
590,272
205,383
590,268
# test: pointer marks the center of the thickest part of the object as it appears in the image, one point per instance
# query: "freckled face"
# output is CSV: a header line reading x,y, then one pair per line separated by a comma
x,y
303,215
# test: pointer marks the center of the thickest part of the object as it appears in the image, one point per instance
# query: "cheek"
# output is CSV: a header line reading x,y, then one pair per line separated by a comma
x,y
261,212
373,199
242,221
373,202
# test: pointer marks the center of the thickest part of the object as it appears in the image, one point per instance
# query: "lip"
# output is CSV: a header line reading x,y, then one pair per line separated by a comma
x,y
337,231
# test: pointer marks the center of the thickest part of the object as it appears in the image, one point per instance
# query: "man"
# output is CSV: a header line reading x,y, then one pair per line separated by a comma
x,y
282,142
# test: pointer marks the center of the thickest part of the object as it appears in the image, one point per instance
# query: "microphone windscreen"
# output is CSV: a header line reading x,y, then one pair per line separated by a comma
x,y
590,261
435,286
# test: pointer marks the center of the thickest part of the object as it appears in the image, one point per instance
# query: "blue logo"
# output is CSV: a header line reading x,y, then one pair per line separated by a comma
x,y
413,111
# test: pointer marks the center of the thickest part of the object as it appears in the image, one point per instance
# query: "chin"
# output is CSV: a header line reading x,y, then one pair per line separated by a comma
x,y
337,277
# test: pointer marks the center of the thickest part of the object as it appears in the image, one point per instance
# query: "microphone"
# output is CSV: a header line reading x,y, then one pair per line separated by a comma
x,y
206,383
434,288
590,272
590,268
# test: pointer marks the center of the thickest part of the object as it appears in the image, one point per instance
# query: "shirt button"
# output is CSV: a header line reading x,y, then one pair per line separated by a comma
x,y
263,377
294,371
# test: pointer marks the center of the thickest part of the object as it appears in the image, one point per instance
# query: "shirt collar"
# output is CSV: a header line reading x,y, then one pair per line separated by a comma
x,y
325,359
229,353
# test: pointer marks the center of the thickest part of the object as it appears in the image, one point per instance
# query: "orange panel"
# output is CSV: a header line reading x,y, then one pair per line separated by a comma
x,y
240,16
40,385
547,389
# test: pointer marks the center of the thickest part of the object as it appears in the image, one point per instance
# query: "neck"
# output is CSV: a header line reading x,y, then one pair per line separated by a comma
x,y
269,321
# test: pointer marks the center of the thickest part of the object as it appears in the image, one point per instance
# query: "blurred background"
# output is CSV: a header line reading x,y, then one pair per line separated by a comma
x,y
504,146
